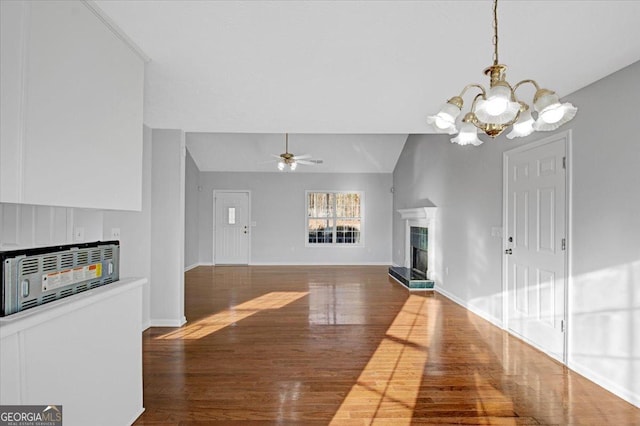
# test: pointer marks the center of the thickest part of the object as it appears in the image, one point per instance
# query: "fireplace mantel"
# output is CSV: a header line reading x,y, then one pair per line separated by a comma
x,y
417,213
423,217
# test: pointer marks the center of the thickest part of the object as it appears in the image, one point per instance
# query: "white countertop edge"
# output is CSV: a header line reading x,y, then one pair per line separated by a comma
x,y
19,321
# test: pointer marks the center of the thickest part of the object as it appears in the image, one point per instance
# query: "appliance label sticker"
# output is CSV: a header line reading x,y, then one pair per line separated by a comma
x,y
71,276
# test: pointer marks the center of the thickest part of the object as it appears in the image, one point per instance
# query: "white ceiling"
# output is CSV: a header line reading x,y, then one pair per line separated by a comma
x,y
356,67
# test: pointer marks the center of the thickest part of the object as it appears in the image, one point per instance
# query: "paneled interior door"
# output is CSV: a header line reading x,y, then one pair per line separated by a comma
x,y
231,228
535,243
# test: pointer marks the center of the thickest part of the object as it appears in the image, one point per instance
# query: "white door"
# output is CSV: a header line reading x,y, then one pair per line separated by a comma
x,y
231,228
535,203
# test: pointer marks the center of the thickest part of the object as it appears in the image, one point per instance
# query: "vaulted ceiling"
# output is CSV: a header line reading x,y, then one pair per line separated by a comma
x,y
356,67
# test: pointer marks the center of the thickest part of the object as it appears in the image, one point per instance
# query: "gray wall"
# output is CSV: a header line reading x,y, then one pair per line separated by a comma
x,y
605,242
191,239
604,291
278,208
465,183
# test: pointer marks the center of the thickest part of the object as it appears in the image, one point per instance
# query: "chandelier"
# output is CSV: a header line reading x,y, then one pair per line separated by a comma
x,y
494,110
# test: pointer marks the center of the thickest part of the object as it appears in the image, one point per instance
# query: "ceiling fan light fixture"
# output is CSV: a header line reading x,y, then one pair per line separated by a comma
x,y
496,109
289,162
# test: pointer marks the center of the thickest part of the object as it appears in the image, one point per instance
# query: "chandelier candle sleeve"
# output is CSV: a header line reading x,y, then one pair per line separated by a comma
x,y
496,109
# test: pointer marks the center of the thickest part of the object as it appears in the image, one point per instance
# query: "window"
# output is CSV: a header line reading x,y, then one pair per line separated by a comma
x,y
334,218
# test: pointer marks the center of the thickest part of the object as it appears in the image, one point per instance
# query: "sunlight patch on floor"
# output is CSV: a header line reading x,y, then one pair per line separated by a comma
x,y
220,320
388,386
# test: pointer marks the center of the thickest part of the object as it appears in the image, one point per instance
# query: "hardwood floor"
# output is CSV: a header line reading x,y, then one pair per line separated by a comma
x,y
348,346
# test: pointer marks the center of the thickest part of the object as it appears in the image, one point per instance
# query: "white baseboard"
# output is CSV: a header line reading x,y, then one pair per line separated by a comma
x,y
162,322
626,394
482,314
190,267
146,325
137,416
195,265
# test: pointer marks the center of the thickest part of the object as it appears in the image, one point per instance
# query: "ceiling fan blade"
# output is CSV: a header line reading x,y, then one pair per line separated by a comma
x,y
310,162
276,156
301,157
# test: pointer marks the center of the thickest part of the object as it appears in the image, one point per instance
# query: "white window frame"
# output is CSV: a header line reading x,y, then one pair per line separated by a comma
x,y
334,243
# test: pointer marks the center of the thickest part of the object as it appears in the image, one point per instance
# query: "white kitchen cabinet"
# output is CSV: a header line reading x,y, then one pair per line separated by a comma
x,y
71,111
83,352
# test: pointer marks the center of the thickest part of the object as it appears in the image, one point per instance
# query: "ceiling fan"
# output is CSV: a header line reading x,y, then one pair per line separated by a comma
x,y
291,161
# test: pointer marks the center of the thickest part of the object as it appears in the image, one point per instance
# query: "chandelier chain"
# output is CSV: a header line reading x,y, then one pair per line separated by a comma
x,y
495,32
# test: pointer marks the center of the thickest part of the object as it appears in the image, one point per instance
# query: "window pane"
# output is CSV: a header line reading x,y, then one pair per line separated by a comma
x,y
232,216
320,231
320,204
348,205
348,231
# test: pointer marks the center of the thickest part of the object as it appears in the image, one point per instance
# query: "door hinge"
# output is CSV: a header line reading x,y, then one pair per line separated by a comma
x,y
564,244
562,326
564,162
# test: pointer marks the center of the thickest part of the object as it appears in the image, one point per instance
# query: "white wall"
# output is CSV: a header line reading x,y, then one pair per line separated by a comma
x,y
27,226
167,227
278,209
191,233
135,232
604,292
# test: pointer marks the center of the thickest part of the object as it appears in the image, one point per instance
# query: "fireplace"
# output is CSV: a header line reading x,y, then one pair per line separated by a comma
x,y
418,270
419,238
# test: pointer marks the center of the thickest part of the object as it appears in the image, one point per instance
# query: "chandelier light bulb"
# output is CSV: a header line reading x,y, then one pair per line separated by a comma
x,y
552,114
293,165
468,135
523,127
565,111
496,106
281,165
445,120
497,100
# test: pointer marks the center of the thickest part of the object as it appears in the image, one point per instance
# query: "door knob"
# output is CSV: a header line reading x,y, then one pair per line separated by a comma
x,y
508,251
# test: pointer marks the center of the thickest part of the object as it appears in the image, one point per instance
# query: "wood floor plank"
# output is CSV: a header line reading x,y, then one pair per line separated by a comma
x,y
348,346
